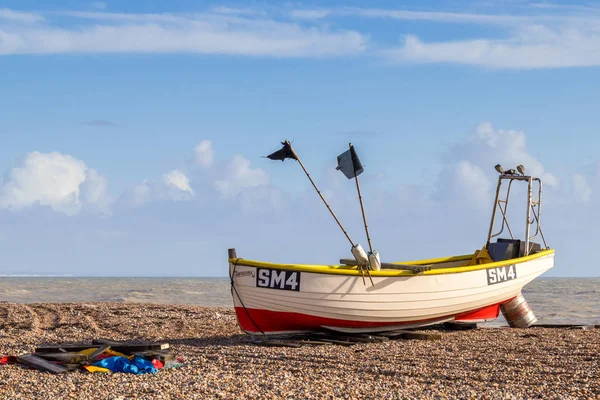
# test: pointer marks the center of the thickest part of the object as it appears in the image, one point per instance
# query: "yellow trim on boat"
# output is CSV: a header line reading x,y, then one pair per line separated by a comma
x,y
347,270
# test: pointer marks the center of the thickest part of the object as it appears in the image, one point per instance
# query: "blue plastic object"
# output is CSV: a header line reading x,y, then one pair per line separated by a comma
x,y
137,365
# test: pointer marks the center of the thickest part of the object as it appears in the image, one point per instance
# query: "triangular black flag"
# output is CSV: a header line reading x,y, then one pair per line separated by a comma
x,y
349,163
283,153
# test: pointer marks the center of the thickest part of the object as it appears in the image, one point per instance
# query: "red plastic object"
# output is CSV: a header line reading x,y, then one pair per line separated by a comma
x,y
8,360
157,364
179,359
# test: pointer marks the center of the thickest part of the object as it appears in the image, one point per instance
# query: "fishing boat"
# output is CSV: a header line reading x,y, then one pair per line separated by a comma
x,y
351,297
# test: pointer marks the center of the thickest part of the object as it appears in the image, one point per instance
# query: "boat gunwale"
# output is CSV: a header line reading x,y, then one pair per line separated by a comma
x,y
354,271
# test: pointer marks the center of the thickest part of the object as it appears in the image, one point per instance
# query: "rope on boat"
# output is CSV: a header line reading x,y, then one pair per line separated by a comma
x,y
240,299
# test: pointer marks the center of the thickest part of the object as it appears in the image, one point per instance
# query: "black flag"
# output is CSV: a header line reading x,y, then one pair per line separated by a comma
x,y
349,163
283,153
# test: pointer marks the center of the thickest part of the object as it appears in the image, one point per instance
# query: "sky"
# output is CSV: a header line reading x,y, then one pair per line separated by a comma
x,y
133,134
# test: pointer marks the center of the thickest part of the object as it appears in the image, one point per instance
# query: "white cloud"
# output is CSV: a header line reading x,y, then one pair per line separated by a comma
x,y
238,175
568,39
569,7
435,16
582,190
178,180
94,191
470,165
56,180
507,148
532,47
21,17
236,11
442,16
178,33
204,153
262,199
141,193
310,14
473,180
225,180
463,181
174,186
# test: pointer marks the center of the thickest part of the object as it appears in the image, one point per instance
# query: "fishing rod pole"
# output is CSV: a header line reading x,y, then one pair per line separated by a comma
x,y
362,207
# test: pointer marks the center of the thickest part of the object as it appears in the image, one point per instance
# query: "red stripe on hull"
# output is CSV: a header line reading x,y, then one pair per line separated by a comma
x,y
255,320
484,314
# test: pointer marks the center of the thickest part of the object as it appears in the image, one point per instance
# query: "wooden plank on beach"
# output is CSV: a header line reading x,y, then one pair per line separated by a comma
x,y
422,335
123,347
40,364
361,338
414,268
160,355
314,342
70,367
65,348
98,352
565,326
393,334
278,343
583,327
340,342
374,338
404,334
459,326
319,339
129,347
71,358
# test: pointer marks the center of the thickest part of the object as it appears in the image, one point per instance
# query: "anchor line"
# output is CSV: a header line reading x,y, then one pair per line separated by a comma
x,y
240,299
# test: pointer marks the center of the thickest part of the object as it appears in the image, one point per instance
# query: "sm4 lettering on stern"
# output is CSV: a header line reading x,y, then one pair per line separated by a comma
x,y
278,279
501,274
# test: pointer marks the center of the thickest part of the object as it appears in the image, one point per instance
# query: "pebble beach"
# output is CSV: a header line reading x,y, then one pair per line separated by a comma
x,y
220,363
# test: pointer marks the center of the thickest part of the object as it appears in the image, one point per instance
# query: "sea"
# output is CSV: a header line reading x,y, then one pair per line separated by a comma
x,y
553,300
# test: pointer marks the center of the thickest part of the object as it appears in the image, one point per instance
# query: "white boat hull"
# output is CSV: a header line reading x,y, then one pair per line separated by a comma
x,y
271,300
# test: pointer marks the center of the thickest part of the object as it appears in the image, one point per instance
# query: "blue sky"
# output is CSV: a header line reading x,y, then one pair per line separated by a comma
x,y
132,132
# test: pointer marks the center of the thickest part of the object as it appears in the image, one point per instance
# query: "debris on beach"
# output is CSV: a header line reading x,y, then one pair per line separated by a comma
x,y
341,339
101,355
330,337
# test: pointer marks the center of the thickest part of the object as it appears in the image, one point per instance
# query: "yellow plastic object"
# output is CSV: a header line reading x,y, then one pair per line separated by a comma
x,y
480,257
91,368
116,353
87,352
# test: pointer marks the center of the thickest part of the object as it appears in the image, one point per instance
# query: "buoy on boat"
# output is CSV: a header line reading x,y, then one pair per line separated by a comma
x,y
374,261
517,312
360,255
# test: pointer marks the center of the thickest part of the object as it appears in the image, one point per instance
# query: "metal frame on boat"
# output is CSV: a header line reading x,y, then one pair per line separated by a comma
x,y
271,298
534,207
